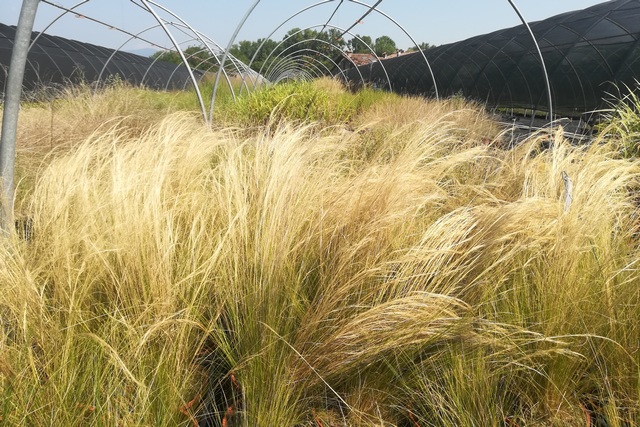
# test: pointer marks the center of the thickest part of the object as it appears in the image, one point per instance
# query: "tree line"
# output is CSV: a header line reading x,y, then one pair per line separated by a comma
x,y
323,47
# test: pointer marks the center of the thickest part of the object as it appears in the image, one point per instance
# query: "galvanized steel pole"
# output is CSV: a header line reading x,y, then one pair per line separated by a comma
x,y
12,95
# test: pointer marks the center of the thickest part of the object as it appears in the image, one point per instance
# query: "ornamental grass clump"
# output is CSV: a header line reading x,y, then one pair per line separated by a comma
x,y
622,121
299,274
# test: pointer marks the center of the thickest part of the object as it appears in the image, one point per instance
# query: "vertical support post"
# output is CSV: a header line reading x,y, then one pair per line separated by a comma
x,y
533,118
13,92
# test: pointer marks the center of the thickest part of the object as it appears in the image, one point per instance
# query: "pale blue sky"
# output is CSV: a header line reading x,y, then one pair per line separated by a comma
x,y
432,21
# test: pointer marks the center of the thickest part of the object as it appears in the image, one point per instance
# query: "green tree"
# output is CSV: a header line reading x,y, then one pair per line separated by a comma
x,y
359,44
245,51
385,44
334,36
320,45
198,57
167,56
421,46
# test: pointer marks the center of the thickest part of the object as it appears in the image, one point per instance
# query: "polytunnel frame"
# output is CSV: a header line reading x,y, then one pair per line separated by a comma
x,y
306,40
204,43
175,43
67,10
287,73
236,63
162,24
565,59
291,57
540,56
301,11
370,8
13,89
257,2
145,7
260,72
490,60
239,66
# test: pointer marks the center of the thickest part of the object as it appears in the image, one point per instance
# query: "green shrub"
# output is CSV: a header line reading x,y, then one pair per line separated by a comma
x,y
303,102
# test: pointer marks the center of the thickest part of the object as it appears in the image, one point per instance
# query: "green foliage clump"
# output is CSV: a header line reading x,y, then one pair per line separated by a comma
x,y
302,102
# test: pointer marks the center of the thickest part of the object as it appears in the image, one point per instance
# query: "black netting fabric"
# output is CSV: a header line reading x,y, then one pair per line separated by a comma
x,y
589,55
55,61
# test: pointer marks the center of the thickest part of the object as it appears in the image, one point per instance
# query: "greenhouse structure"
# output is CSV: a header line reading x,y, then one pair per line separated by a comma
x,y
591,55
55,61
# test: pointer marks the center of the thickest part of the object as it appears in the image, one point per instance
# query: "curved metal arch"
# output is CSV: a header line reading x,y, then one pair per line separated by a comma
x,y
215,57
312,59
238,65
45,53
158,58
196,87
70,10
150,67
250,11
222,69
490,60
544,67
300,12
36,38
224,58
481,71
323,41
517,70
64,52
580,37
515,8
119,48
202,40
300,75
184,64
348,58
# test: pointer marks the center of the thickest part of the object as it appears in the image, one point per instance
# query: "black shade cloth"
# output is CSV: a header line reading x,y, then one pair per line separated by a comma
x,y
589,54
55,61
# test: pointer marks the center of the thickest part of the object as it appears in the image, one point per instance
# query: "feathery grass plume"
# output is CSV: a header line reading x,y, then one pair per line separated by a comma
x,y
470,123
55,126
